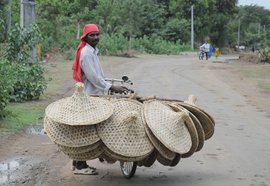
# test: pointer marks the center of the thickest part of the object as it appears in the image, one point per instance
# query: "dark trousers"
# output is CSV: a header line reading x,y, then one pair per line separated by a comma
x,y
206,55
79,164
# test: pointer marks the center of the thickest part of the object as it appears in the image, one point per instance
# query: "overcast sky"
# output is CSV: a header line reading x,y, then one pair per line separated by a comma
x,y
264,3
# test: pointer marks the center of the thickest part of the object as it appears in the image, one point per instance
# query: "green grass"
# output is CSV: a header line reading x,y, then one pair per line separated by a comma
x,y
265,86
22,115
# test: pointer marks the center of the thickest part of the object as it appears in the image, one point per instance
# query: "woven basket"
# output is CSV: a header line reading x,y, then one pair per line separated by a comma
x,y
79,150
123,133
168,126
79,109
90,155
206,122
70,136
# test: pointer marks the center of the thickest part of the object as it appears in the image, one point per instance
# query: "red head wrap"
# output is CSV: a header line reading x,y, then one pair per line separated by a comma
x,y
76,67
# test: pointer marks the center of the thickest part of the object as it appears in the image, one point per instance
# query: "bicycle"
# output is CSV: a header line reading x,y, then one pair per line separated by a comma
x,y
128,169
201,55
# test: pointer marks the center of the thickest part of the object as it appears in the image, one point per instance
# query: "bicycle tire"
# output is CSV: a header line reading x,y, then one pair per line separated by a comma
x,y
201,55
128,169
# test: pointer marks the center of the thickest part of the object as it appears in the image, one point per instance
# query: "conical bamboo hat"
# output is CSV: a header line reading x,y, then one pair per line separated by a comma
x,y
70,136
79,109
123,133
168,126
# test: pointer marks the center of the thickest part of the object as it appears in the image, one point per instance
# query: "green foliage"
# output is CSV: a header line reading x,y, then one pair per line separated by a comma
x,y
112,45
21,42
30,82
118,44
2,26
265,54
176,29
254,22
157,45
6,84
61,20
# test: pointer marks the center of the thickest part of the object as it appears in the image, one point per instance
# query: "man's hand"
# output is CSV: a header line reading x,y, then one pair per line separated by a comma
x,y
119,89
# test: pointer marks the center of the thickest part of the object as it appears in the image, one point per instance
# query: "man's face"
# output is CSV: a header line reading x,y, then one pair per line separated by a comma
x,y
92,38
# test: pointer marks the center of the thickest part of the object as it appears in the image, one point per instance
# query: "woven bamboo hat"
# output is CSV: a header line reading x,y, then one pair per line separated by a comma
x,y
199,129
107,158
168,126
191,128
149,160
79,150
90,155
164,161
79,109
112,155
192,100
70,136
123,133
206,122
164,151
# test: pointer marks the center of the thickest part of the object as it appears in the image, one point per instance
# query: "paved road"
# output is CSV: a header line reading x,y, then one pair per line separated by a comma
x,y
237,155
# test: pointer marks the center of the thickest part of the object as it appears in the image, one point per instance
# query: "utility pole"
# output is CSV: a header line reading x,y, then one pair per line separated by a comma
x,y
28,17
9,14
192,29
238,39
28,13
78,29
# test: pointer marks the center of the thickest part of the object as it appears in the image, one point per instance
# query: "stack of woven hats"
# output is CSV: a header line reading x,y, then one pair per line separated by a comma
x,y
86,128
124,129
70,123
176,129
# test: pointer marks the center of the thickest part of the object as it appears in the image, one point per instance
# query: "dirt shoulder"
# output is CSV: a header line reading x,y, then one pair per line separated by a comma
x,y
250,79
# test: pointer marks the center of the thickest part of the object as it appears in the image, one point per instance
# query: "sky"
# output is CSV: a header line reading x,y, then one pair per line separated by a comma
x,y
264,3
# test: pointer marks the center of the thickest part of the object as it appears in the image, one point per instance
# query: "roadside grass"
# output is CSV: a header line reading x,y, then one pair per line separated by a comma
x,y
21,115
265,86
259,73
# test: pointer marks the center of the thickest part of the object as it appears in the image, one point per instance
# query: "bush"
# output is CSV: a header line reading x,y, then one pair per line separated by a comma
x,y
6,84
265,54
21,42
113,45
30,82
117,44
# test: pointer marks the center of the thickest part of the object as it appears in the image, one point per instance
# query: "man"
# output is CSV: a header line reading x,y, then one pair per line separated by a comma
x,y
87,69
205,48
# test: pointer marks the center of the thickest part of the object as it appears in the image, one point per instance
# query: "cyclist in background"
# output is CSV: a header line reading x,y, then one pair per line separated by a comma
x,y
205,48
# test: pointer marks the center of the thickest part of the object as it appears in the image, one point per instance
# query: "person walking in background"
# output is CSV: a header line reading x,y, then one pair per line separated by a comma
x,y
87,69
216,52
211,49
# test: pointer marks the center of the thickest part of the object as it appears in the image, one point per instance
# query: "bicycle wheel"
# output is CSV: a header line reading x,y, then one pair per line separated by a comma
x,y
128,169
201,55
